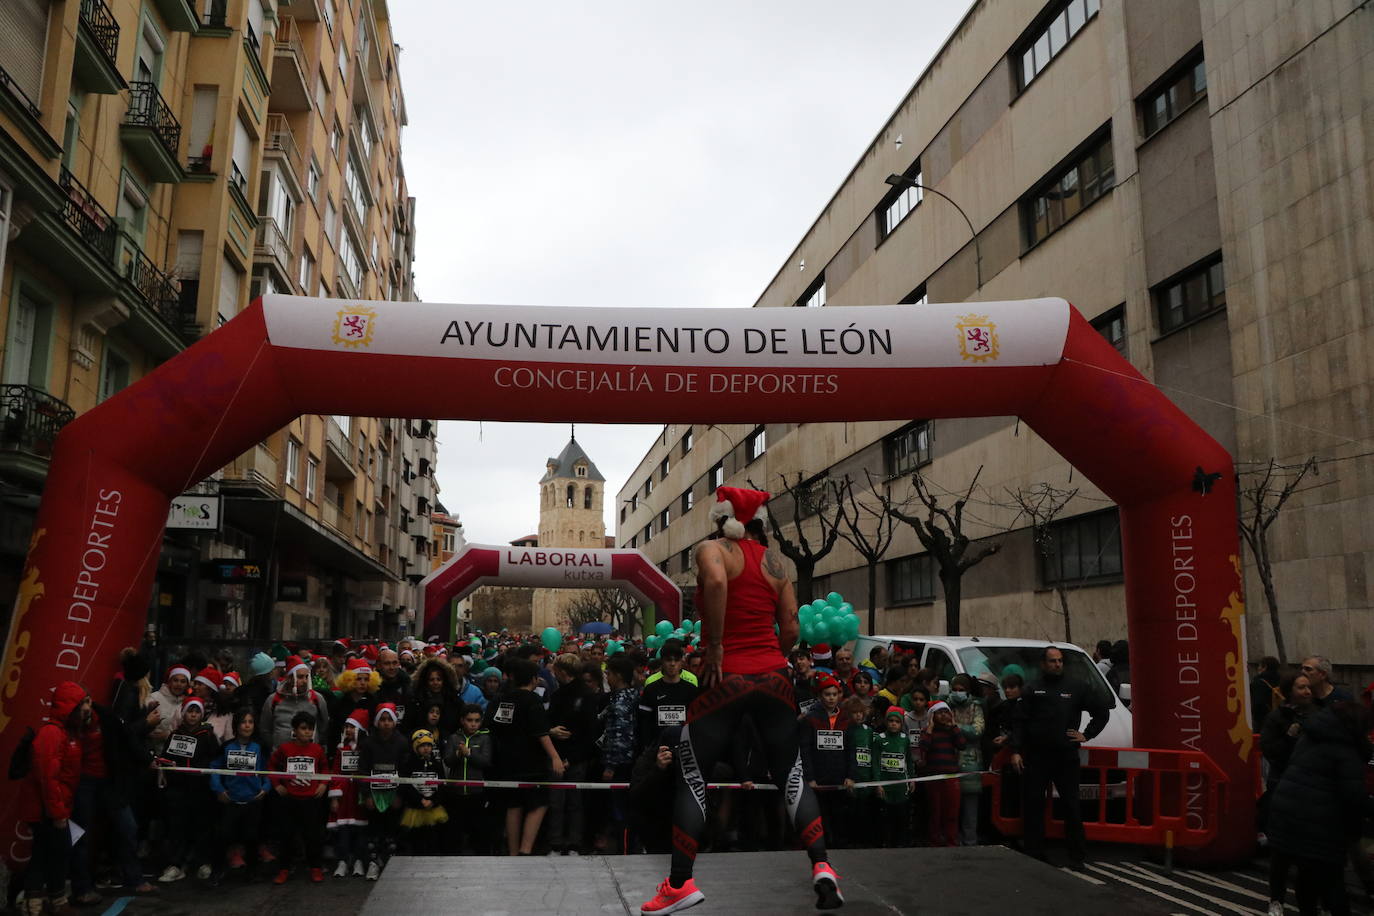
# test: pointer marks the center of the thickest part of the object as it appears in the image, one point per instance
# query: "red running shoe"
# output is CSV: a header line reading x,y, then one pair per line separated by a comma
x,y
827,886
281,877
317,875
236,857
671,899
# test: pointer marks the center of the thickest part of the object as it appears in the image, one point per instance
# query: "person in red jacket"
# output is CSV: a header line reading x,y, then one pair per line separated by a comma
x,y
54,773
301,762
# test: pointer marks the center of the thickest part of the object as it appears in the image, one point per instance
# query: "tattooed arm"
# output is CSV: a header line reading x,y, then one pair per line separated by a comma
x,y
788,627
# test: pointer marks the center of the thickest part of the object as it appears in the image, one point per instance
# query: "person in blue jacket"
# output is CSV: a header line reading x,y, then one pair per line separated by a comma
x,y
240,797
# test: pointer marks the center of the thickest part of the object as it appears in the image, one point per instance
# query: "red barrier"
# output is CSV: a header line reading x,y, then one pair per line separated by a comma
x,y
1129,795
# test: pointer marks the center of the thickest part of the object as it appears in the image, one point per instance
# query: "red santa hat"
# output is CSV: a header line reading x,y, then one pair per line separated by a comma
x,y
820,652
343,642
359,666
432,650
208,676
231,680
358,718
406,653
370,653
385,709
175,670
737,506
938,705
294,664
192,701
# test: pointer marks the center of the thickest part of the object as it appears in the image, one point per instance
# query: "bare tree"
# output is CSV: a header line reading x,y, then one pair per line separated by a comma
x,y
810,499
612,605
1041,504
941,532
868,528
1261,502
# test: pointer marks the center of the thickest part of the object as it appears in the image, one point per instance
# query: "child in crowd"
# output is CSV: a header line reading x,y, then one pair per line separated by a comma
x,y
891,752
300,761
858,741
424,814
380,759
942,740
187,804
347,819
825,756
240,797
968,717
618,746
467,755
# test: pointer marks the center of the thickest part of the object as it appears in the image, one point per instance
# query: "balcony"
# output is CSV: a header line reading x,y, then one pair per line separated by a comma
x,y
216,17
335,518
300,10
338,458
30,420
281,143
255,469
180,15
97,49
151,132
157,318
87,219
273,246
290,70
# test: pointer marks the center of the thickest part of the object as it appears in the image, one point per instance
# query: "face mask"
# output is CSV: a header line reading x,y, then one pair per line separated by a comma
x,y
959,696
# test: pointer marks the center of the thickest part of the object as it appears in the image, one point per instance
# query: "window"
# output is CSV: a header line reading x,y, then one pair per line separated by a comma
x,y
1088,176
756,444
312,179
1082,549
686,502
114,374
312,476
911,579
1112,325
331,221
1198,291
1180,90
306,271
450,542
648,532
293,463
327,11
687,441
716,476
357,189
634,542
908,448
580,471
684,558
900,201
663,519
622,515
352,263
814,297
336,143
916,297
586,497
648,485
813,495
663,469
1050,35
938,660
343,62
634,502
322,95
571,497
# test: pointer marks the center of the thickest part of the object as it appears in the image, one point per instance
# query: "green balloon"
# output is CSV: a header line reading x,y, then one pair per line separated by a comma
x,y
834,599
821,630
696,627
552,638
806,615
819,605
846,608
808,632
613,647
663,628
653,642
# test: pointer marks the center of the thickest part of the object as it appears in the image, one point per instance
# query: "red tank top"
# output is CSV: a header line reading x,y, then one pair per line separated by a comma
x,y
751,646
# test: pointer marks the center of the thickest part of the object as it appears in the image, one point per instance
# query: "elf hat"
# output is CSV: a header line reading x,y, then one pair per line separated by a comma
x,y
820,652
208,676
191,701
385,709
938,705
421,736
737,506
294,664
231,680
894,710
827,681
358,718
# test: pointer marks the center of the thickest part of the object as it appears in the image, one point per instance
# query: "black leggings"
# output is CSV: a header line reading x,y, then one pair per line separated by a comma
x,y
713,722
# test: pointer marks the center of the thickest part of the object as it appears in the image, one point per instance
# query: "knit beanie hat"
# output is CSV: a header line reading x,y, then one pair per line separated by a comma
x,y
894,710
421,736
261,664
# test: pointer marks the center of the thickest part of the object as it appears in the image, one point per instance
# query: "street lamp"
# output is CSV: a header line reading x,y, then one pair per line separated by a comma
x,y
901,181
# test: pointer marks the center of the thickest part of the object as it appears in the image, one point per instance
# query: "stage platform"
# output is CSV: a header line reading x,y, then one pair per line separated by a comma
x,y
952,882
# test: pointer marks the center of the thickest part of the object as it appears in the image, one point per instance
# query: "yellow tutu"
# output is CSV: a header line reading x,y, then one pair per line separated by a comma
x,y
424,817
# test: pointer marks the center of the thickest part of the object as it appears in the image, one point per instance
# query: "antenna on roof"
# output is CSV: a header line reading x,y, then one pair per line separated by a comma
x,y
574,431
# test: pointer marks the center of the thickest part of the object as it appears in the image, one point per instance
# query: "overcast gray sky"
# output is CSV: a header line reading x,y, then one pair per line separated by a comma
x,y
623,154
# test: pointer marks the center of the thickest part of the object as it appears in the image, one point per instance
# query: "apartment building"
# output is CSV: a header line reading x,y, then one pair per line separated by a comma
x,y
162,163
1193,175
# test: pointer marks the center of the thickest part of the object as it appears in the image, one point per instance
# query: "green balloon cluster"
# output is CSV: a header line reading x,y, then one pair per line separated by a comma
x,y
687,632
613,647
828,620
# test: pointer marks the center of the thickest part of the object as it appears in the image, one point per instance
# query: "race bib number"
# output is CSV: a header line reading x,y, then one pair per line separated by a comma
x,y
300,766
893,763
829,740
383,779
863,757
241,760
807,705
348,761
182,746
426,791
672,715
505,714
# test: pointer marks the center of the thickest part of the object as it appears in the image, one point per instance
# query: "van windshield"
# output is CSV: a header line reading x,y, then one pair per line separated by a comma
x,y
1025,660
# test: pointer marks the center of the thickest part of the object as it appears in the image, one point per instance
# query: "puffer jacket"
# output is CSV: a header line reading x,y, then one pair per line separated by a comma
x,y
1319,804
56,767
274,725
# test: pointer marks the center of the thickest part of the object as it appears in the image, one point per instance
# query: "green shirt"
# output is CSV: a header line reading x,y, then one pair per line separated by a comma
x,y
892,760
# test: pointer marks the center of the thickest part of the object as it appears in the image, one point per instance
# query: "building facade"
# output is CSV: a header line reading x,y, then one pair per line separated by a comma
x,y
162,163
571,498
1193,176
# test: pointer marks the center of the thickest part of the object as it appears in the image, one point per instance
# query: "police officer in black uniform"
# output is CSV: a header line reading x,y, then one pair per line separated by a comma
x,y
1044,745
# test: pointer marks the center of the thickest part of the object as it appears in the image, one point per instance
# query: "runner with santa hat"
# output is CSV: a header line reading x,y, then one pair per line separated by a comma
x,y
742,590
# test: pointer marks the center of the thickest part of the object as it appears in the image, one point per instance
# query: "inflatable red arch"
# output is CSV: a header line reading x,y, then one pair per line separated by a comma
x,y
546,567
114,470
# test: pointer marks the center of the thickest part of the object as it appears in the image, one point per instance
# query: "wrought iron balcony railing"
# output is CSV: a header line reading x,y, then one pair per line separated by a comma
x,y
30,420
237,178
147,108
97,18
86,218
160,292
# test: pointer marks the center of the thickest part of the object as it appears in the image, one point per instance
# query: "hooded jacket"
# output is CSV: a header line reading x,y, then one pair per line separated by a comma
x,y
1320,802
56,767
274,724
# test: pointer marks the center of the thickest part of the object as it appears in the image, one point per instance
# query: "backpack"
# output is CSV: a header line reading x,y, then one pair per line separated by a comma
x,y
21,760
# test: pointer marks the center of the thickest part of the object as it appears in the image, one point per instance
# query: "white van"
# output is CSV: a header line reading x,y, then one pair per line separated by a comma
x,y
973,655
